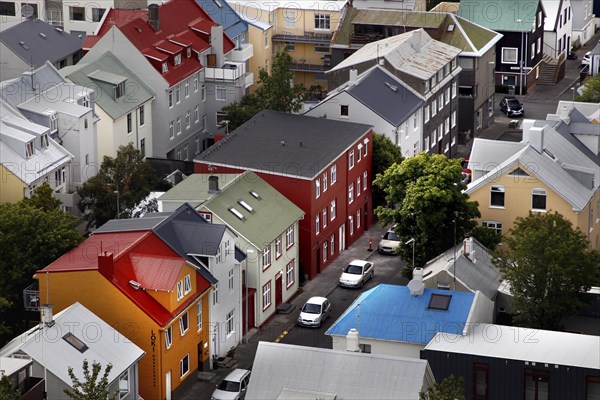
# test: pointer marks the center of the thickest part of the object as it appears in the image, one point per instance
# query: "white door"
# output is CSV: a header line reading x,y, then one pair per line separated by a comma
x,y
342,238
216,347
168,385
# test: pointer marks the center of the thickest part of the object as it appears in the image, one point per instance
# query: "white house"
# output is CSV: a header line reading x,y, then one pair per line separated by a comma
x,y
584,23
558,27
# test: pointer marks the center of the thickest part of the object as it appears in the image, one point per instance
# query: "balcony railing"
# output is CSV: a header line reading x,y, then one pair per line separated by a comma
x,y
230,71
365,38
249,80
31,297
242,54
307,37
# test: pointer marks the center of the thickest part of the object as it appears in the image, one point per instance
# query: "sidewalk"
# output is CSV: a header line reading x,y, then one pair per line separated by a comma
x,y
271,331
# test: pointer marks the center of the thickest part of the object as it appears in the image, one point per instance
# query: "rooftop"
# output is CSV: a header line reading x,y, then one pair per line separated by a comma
x,y
490,14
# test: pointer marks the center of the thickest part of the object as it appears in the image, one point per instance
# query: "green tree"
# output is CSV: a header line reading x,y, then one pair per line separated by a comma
x,y
94,386
123,181
450,388
424,198
274,92
385,154
591,93
486,236
6,390
548,265
31,238
42,198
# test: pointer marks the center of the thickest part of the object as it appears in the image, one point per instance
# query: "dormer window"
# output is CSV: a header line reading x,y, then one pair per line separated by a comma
x,y
120,90
53,120
29,149
165,67
45,141
189,52
177,59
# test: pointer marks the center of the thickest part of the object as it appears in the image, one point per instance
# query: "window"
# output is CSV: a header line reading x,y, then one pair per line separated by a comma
x,y
75,342
229,322
441,101
170,94
266,257
165,67
366,147
592,388
7,8
509,55
321,48
493,225
357,187
322,21
453,89
199,315
359,153
439,302
480,382
184,365
177,94
196,113
97,14
179,290
532,50
324,217
188,119
325,251
266,295
195,83
332,244
426,111
497,196
124,384
289,19
184,323
87,159
351,193
539,45
290,273
266,44
351,159
120,90
290,46
278,247
318,224
454,115
538,199
536,384
203,124
289,237
203,92
365,174
333,174
129,123
318,188
215,294
187,285
221,93
230,280
344,111
77,13
186,88
351,223
358,219
171,129
142,115
426,143
169,337
539,18
45,141
325,182
365,348
177,59
433,107
466,63
178,125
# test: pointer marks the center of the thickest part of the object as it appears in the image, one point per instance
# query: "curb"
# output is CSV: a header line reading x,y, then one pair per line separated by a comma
x,y
567,89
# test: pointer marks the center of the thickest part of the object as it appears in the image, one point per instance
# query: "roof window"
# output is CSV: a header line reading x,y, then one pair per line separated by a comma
x,y
75,342
439,302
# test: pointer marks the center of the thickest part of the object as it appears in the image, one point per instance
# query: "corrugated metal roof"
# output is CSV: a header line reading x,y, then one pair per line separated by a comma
x,y
342,374
446,6
524,344
104,345
271,214
389,312
156,273
501,16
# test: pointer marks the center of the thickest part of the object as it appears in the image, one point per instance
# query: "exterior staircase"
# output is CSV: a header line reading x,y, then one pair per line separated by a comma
x,y
550,70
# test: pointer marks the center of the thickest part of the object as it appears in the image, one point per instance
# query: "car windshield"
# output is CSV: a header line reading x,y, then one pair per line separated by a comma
x,y
229,386
513,103
354,269
391,236
311,308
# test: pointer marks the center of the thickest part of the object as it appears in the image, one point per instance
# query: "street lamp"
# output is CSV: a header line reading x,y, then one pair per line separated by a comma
x,y
118,207
522,50
412,240
573,93
248,252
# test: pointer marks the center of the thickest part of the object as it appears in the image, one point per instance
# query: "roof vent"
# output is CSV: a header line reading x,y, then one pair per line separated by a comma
x,y
392,87
135,285
213,184
283,143
59,30
451,28
137,28
255,194
43,35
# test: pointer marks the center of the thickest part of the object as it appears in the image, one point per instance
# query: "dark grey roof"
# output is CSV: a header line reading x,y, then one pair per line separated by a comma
x,y
285,144
36,41
387,96
569,130
239,254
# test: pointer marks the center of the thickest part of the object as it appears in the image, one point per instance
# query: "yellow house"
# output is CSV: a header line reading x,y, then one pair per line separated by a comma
x,y
136,283
304,27
552,170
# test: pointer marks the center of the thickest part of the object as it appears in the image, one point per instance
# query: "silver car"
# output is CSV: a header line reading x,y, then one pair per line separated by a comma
x,y
389,243
356,274
233,387
314,312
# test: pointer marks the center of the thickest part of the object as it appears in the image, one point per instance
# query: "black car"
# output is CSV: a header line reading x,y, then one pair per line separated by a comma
x,y
511,106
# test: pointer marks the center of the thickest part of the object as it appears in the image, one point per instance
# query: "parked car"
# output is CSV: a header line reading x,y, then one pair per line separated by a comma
x,y
511,106
466,172
389,242
356,273
233,387
314,312
587,58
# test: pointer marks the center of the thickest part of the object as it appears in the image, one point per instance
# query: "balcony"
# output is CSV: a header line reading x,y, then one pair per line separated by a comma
x,y
359,38
249,80
308,37
230,71
301,65
31,297
242,54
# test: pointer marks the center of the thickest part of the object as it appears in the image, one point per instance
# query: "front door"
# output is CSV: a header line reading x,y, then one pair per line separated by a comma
x,y
168,386
342,238
278,289
216,340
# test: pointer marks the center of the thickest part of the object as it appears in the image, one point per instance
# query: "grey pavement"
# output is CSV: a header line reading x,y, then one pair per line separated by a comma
x,y
276,327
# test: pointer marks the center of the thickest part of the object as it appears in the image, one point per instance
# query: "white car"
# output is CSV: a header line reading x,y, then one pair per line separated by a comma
x,y
314,312
356,273
233,387
389,242
587,58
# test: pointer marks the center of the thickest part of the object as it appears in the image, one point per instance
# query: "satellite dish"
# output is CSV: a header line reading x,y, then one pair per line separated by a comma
x,y
27,11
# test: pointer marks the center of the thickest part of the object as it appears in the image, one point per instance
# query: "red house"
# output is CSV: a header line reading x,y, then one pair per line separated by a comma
x,y
323,166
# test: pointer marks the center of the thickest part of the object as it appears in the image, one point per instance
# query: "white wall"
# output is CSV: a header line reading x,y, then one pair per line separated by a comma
x,y
390,348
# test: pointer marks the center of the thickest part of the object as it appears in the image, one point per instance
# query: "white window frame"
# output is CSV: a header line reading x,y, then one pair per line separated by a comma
x,y
332,244
539,192
322,22
184,323
289,237
318,223
318,188
230,323
186,88
504,60
196,113
358,187
496,226
351,159
169,337
351,193
325,251
203,92
333,174
266,295
498,189
187,284
290,273
351,223
177,94
266,258
199,315
278,247
365,180
230,280
215,293
332,209
221,89
324,217
183,365
324,182
180,290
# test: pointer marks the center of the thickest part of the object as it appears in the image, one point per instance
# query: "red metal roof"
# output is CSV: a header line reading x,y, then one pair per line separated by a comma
x,y
157,273
175,18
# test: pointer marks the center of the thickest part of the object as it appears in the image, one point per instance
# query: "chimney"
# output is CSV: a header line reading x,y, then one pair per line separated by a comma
x,y
106,265
416,286
47,318
353,77
536,138
153,19
213,184
216,41
352,343
468,247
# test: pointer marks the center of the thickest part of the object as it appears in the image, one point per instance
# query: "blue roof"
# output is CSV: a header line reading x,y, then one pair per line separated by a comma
x,y
389,312
223,14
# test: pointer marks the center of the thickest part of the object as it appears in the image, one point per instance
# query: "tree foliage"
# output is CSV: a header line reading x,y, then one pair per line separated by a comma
x,y
274,92
32,237
130,175
385,154
548,265
486,236
6,390
424,197
94,386
42,198
591,93
450,388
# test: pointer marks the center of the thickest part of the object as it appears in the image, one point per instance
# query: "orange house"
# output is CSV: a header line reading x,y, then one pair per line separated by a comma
x,y
145,291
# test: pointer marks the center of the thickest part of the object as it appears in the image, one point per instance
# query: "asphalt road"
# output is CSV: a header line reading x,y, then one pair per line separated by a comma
x,y
387,270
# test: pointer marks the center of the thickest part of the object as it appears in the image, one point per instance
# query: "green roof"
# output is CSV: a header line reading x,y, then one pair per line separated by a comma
x,y
102,75
505,15
478,35
342,35
194,189
398,18
272,213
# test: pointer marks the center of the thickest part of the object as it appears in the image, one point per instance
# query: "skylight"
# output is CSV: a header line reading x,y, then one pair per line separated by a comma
x,y
236,213
439,302
247,206
255,194
75,342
